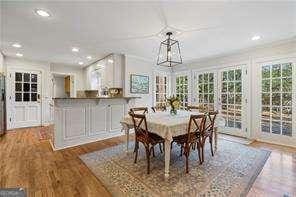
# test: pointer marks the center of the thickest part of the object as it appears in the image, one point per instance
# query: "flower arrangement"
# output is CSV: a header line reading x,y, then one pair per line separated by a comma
x,y
174,103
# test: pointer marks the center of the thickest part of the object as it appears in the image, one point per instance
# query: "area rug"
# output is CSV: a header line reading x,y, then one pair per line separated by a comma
x,y
231,172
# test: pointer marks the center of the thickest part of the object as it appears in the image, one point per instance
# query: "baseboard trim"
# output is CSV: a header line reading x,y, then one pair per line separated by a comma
x,y
275,143
89,140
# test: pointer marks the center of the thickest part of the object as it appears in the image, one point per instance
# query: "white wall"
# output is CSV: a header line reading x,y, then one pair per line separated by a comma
x,y
59,87
140,66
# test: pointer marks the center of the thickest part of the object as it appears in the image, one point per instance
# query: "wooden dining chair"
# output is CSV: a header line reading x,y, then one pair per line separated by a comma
x,y
158,108
208,131
143,110
194,108
192,137
136,110
148,139
139,110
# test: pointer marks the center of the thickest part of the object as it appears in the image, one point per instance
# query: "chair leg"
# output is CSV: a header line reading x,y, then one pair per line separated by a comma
x,y
136,155
148,159
186,153
202,144
211,140
136,146
187,170
181,152
199,154
160,147
153,153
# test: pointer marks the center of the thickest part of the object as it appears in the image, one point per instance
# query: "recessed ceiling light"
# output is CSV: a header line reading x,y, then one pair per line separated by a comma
x,y
80,63
89,57
256,37
110,61
42,13
19,55
17,45
75,49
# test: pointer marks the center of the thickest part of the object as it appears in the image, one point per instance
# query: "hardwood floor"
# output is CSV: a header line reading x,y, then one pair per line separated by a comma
x,y
29,162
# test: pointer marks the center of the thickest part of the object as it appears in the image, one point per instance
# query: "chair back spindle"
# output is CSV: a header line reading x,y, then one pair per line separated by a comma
x,y
212,117
194,108
138,121
158,108
197,121
139,110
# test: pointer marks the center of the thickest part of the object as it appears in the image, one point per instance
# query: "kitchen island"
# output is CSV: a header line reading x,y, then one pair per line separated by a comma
x,y
83,120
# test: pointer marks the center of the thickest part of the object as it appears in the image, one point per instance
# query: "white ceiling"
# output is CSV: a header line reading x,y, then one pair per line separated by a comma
x,y
100,28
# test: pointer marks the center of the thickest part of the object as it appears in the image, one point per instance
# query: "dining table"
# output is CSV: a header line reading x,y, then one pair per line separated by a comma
x,y
166,126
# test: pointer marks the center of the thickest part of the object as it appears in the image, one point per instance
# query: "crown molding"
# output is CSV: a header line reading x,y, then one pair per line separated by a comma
x,y
241,51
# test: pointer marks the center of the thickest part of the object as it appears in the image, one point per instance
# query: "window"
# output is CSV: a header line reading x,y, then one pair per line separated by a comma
x,y
25,87
96,78
161,90
276,99
231,97
206,91
182,90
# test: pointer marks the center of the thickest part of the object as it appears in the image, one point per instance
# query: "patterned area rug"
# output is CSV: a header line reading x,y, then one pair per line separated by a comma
x,y
231,172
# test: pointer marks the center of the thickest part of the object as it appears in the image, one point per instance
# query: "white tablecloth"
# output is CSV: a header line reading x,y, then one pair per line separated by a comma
x,y
166,125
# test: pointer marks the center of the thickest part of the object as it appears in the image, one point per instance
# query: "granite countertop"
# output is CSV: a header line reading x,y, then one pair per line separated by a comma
x,y
99,97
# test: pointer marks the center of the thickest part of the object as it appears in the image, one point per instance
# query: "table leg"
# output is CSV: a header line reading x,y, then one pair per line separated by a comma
x,y
126,129
127,139
167,155
216,136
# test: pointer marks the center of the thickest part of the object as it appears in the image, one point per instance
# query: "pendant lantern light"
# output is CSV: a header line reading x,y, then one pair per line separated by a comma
x,y
169,52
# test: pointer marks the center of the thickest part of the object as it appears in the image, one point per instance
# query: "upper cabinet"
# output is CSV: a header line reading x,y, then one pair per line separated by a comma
x,y
106,72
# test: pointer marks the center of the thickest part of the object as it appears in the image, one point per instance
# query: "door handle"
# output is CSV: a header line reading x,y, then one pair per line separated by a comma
x,y
38,98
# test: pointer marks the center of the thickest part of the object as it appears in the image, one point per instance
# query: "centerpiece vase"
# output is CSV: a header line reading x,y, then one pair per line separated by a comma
x,y
173,111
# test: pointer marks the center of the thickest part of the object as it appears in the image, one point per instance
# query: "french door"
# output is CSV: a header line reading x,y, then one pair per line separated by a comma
x,y
161,88
224,90
182,91
277,87
232,81
24,102
205,88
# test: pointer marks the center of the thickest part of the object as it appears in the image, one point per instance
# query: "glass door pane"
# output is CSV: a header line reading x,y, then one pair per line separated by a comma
x,y
161,90
231,100
182,90
26,87
205,86
276,99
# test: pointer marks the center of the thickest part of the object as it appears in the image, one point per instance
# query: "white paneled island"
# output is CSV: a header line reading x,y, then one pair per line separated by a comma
x,y
84,120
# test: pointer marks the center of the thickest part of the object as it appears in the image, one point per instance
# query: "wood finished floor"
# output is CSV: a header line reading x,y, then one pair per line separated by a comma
x,y
29,162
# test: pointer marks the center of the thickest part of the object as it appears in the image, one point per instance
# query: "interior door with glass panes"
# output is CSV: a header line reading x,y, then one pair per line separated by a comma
x,y
278,89
204,88
161,90
25,101
182,90
232,89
